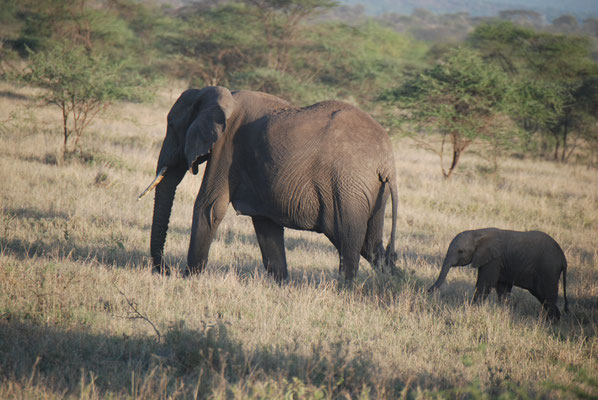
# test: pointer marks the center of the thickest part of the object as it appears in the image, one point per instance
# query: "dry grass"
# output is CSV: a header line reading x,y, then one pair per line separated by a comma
x,y
81,315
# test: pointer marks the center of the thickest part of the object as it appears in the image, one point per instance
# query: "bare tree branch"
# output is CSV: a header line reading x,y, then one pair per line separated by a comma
x,y
136,314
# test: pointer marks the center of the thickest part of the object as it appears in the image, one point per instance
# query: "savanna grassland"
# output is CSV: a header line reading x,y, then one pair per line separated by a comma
x,y
82,316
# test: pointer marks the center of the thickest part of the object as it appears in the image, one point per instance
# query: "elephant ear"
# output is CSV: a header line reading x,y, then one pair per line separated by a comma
x,y
213,108
486,250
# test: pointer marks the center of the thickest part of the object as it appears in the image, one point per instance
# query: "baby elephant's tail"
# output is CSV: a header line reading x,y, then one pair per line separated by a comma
x,y
565,285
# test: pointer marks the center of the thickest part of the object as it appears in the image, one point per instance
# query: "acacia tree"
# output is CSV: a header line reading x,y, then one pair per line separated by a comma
x,y
201,47
81,85
463,98
281,20
551,73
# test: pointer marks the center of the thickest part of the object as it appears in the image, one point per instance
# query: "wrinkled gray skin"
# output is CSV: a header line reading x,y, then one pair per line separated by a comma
x,y
531,260
326,168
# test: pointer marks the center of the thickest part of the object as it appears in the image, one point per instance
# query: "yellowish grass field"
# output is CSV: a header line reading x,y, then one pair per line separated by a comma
x,y
82,316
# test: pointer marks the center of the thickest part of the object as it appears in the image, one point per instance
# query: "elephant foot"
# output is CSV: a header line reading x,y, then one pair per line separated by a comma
x,y
346,283
193,270
161,269
279,276
381,264
552,312
391,266
391,260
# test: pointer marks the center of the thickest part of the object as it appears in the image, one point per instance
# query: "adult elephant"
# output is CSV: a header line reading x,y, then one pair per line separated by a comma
x,y
326,168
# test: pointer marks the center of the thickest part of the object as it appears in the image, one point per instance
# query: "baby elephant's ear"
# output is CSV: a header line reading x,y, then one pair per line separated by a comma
x,y
486,250
214,107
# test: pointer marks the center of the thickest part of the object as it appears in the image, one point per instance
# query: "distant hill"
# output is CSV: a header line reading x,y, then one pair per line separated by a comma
x,y
550,9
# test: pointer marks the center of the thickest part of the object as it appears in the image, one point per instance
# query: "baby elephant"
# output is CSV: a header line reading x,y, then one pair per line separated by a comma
x,y
531,260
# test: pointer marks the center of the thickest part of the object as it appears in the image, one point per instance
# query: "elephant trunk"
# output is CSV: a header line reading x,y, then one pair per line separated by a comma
x,y
163,200
446,266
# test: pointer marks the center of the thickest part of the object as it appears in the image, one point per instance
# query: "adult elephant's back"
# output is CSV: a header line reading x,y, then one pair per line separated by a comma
x,y
305,161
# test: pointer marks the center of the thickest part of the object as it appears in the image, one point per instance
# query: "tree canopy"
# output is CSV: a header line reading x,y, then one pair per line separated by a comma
x,y
551,74
462,97
80,85
501,77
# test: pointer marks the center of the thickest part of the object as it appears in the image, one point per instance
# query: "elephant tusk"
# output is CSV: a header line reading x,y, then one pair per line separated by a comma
x,y
154,183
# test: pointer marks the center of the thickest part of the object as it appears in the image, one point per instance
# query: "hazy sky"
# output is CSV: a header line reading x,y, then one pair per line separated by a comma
x,y
582,9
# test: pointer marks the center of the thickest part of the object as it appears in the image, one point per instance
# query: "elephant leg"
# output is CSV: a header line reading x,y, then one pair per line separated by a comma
x,y
481,293
207,216
373,247
349,226
349,254
374,254
503,290
552,310
487,279
349,261
551,296
270,237
348,241
548,301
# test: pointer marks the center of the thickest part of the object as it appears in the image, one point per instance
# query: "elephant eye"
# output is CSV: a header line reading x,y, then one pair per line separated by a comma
x,y
459,251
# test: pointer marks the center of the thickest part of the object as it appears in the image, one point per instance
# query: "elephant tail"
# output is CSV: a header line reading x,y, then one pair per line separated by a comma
x,y
565,285
390,248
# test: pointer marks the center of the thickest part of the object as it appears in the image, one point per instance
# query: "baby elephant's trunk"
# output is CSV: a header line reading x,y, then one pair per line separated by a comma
x,y
443,273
